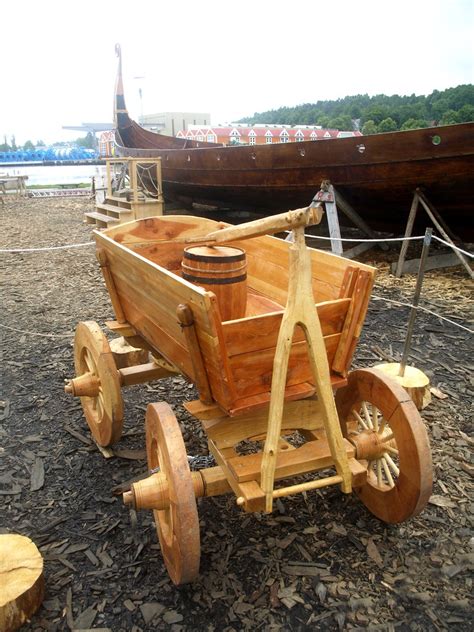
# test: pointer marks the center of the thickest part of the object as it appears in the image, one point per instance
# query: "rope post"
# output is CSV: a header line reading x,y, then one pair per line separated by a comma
x,y
416,298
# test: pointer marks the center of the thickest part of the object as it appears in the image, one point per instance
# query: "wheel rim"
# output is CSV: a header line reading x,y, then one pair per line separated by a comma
x,y
379,418
177,526
104,411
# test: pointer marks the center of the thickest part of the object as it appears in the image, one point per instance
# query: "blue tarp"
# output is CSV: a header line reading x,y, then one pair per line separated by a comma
x,y
47,154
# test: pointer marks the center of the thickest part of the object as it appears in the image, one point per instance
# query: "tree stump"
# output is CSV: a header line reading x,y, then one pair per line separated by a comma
x,y
125,355
21,581
415,382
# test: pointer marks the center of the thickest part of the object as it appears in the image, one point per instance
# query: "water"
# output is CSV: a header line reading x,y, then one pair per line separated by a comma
x,y
67,174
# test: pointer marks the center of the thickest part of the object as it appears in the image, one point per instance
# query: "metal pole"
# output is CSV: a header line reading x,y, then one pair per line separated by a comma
x,y
416,298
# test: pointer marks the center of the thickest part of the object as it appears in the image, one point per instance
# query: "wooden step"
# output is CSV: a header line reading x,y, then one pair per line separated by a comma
x,y
103,221
117,200
103,206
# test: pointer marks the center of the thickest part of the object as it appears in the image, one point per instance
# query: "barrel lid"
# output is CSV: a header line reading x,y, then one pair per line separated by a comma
x,y
215,253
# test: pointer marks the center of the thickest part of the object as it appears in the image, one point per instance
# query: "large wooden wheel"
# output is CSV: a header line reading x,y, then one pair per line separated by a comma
x,y
177,526
379,418
97,383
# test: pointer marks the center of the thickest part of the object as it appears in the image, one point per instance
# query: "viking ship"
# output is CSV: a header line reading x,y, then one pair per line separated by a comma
x,y
377,174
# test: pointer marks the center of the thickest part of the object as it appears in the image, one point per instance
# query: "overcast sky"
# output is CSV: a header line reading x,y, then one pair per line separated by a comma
x,y
230,58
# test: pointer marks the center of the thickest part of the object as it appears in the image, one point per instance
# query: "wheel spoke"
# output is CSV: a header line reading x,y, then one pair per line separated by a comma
x,y
375,417
388,474
367,415
391,449
360,420
392,464
379,472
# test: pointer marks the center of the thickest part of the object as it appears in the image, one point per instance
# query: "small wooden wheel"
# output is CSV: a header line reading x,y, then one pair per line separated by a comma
x,y
379,418
177,526
102,402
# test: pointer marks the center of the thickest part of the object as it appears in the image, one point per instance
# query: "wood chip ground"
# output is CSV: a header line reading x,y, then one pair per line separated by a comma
x,y
320,562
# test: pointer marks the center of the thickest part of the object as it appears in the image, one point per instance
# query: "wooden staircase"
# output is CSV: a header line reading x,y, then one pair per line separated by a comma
x,y
128,197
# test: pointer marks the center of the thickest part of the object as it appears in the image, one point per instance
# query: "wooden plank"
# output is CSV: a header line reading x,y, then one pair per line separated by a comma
x,y
408,232
333,225
257,304
353,325
300,414
261,400
261,332
252,372
310,457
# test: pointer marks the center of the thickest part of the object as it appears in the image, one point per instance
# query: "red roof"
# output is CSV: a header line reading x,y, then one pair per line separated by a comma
x,y
275,131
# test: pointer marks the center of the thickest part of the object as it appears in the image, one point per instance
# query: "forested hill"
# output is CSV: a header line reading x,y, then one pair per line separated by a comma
x,y
379,113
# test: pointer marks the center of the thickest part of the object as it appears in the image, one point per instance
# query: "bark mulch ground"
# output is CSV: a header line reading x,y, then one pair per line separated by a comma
x,y
319,562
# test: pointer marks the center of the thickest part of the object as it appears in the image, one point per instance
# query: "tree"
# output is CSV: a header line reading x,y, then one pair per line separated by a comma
x,y
323,120
40,143
342,122
377,113
387,125
28,145
413,124
369,128
87,141
450,117
466,113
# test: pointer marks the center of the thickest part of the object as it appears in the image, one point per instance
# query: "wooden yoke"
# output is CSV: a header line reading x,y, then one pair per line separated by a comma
x,y
267,226
300,310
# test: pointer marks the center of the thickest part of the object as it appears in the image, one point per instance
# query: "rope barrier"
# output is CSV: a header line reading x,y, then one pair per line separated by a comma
x,y
464,252
387,239
446,243
376,241
46,248
423,309
36,333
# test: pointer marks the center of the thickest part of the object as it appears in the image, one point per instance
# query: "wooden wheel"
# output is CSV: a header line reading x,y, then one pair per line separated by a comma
x,y
97,383
380,419
177,526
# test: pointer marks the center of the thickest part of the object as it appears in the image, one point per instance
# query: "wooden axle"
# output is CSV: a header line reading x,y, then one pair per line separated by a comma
x,y
153,491
88,384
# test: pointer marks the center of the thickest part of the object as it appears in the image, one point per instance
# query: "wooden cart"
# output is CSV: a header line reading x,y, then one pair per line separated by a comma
x,y
265,378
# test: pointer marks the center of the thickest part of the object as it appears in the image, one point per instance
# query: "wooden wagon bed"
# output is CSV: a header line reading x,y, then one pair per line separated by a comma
x,y
265,379
142,262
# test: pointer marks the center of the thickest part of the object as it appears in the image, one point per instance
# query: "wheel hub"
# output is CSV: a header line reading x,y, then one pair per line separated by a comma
x,y
369,445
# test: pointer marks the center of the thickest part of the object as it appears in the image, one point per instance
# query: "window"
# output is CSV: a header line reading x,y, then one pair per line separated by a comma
x,y
252,140
211,138
268,139
200,137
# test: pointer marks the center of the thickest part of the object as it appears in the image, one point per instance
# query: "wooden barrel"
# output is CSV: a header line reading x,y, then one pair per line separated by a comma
x,y
222,270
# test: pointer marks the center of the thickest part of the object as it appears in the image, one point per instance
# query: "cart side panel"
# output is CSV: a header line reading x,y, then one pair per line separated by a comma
x,y
150,295
268,260
251,345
